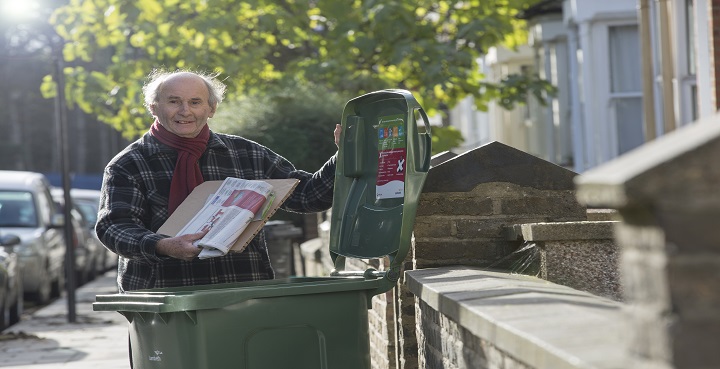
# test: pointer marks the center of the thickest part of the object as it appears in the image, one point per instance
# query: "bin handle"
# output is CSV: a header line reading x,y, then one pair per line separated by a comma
x,y
388,279
370,273
426,143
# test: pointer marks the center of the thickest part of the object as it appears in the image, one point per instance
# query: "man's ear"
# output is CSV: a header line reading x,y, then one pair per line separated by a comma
x,y
212,110
152,109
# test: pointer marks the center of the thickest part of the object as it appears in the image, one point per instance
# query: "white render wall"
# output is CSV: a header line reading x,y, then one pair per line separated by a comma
x,y
582,11
496,124
591,20
584,114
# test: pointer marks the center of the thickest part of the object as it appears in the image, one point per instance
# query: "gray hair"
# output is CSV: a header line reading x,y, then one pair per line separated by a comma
x,y
157,77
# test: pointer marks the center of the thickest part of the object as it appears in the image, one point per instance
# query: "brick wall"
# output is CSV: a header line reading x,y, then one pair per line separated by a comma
x,y
473,318
382,331
469,228
406,340
445,344
465,208
464,212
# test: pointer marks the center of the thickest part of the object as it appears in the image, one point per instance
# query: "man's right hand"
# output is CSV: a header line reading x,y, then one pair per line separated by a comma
x,y
180,247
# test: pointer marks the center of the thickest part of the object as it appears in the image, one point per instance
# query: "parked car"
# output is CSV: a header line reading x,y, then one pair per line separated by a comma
x,y
88,251
27,210
11,292
88,202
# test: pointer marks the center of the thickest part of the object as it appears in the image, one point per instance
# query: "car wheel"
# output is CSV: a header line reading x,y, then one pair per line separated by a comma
x,y
4,312
58,284
16,309
92,272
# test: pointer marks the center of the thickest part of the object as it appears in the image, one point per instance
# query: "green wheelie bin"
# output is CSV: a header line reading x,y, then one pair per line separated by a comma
x,y
302,322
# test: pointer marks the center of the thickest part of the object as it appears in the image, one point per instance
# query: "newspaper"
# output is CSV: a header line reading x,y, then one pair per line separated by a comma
x,y
227,213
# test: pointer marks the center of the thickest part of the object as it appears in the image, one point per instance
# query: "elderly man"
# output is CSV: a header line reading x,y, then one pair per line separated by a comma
x,y
147,181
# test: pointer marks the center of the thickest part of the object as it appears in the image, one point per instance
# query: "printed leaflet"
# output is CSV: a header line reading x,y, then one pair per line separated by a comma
x,y
227,213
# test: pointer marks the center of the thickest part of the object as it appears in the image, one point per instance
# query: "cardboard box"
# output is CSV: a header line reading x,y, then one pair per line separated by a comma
x,y
197,198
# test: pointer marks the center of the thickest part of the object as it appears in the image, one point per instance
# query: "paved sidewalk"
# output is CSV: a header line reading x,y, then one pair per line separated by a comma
x,y
45,340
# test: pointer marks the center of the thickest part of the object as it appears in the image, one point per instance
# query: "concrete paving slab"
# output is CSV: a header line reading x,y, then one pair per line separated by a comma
x,y
45,339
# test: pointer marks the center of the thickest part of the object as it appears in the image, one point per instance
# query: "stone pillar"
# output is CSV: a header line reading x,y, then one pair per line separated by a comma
x,y
581,255
468,203
667,193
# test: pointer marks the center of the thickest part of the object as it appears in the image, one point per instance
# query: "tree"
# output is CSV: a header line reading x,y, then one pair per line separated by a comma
x,y
29,46
296,120
352,47
26,44
445,138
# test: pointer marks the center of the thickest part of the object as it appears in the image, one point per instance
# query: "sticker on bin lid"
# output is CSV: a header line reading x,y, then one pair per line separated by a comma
x,y
392,146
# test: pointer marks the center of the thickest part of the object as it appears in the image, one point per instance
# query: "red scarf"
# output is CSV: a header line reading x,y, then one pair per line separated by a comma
x,y
187,173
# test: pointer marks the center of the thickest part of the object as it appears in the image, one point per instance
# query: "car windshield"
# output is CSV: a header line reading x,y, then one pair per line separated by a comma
x,y
89,211
17,209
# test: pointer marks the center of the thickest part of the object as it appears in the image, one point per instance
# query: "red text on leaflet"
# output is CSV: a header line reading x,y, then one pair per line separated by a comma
x,y
245,199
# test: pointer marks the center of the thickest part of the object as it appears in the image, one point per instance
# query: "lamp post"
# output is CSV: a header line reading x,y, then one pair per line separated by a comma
x,y
61,123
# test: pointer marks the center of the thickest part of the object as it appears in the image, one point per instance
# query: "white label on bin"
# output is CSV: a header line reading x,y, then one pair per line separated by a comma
x,y
391,158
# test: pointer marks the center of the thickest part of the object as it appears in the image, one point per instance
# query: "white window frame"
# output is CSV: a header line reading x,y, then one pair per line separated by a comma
x,y
600,104
703,69
684,80
613,144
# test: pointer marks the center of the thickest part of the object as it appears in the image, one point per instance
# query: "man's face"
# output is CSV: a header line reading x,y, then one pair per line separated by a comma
x,y
182,106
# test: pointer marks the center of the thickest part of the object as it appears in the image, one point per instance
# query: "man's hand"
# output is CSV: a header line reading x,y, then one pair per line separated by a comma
x,y
338,130
180,247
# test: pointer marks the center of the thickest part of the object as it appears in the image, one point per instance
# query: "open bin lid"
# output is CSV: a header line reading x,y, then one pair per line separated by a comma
x,y
382,164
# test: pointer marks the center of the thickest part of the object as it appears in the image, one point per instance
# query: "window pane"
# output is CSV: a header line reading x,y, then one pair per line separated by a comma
x,y
625,72
628,115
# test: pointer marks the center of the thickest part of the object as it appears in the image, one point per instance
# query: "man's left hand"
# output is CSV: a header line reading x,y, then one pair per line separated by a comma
x,y
338,130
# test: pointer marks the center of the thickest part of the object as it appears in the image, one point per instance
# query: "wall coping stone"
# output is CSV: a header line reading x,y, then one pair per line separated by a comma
x,y
496,162
539,323
442,157
602,214
563,231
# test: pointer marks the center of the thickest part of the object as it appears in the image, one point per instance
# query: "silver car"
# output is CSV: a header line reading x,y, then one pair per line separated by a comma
x,y
88,202
85,249
27,210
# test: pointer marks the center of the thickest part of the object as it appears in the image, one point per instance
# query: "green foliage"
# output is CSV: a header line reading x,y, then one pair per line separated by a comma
x,y
296,121
351,47
515,89
445,138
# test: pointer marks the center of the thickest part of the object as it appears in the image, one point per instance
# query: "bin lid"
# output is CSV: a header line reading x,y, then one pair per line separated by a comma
x,y
218,296
383,160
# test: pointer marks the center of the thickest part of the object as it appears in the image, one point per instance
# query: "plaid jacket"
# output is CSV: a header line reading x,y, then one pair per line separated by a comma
x,y
134,200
